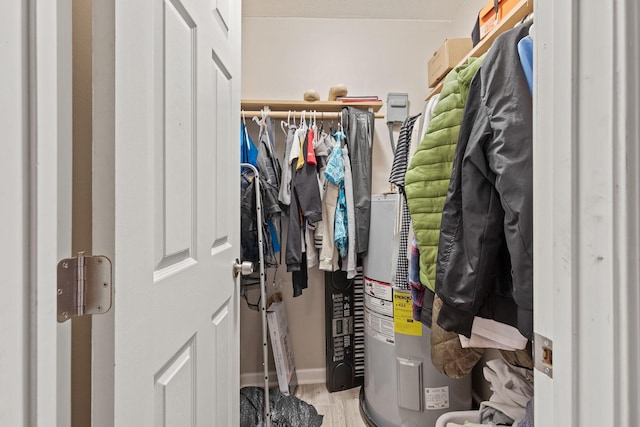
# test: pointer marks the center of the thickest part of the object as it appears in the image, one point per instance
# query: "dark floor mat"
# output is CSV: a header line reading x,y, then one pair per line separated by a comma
x,y
286,411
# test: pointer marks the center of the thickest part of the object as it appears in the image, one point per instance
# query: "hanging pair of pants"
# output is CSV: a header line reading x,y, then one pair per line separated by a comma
x,y
359,127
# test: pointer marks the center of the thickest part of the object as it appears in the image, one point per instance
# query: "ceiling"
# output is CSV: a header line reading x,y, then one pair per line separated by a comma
x,y
428,10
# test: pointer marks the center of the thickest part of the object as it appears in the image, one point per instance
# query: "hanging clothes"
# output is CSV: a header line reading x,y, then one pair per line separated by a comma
x,y
417,290
270,172
525,51
485,264
350,263
284,194
428,113
249,223
359,129
311,155
426,183
329,252
334,173
248,150
398,170
401,156
429,172
315,232
248,220
487,333
269,167
306,207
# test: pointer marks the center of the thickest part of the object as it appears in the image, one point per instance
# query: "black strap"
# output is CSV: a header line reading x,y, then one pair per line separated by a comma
x,y
496,5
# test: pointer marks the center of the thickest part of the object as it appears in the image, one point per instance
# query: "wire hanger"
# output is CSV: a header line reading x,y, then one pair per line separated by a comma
x,y
244,119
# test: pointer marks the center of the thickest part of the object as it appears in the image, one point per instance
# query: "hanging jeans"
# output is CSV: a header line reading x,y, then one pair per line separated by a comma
x,y
359,127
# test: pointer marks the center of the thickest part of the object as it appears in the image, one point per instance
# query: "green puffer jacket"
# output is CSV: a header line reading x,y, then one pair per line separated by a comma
x,y
428,175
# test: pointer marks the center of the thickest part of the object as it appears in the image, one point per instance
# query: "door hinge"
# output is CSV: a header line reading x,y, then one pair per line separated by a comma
x,y
543,354
84,286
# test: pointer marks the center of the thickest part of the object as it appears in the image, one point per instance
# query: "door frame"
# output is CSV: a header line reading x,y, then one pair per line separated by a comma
x,y
51,186
38,83
103,224
586,211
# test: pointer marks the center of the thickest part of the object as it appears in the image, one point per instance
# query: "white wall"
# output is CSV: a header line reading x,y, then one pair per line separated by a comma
x,y
466,17
284,57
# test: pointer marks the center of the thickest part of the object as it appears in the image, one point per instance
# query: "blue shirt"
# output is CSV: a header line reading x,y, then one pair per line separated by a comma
x,y
525,50
334,172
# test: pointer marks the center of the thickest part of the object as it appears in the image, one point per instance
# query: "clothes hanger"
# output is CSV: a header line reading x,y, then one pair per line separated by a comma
x,y
315,129
258,122
261,123
341,139
286,124
244,119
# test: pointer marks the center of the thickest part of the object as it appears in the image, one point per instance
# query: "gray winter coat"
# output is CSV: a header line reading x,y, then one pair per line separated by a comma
x,y
485,257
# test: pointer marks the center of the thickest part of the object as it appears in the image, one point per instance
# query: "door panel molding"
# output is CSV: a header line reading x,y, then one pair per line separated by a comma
x,y
176,392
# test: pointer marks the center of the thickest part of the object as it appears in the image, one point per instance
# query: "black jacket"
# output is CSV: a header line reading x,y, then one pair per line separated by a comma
x,y
485,257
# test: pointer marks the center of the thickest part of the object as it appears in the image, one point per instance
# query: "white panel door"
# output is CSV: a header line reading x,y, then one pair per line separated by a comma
x,y
35,218
166,203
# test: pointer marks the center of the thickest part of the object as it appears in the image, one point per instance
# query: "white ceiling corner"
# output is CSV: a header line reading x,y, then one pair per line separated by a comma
x,y
424,10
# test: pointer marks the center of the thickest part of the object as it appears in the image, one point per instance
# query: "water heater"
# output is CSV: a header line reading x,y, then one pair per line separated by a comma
x,y
401,386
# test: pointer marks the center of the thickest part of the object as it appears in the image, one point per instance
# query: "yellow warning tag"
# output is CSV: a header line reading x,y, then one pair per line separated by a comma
x,y
403,322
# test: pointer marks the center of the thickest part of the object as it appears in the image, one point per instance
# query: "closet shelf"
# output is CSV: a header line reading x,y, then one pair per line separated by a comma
x,y
524,8
284,106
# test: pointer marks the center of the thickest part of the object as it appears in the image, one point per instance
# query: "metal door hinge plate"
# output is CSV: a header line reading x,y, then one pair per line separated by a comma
x,y
84,286
543,354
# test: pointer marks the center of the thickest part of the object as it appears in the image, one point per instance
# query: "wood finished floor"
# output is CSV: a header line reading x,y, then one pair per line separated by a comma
x,y
339,409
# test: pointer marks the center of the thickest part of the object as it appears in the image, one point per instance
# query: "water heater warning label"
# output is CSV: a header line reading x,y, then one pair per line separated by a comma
x,y
378,289
378,327
436,398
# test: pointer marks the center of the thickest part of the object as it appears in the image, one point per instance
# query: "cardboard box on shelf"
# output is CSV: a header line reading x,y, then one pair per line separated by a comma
x,y
282,347
492,13
448,55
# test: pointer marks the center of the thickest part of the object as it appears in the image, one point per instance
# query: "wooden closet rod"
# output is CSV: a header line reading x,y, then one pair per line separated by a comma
x,y
297,114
